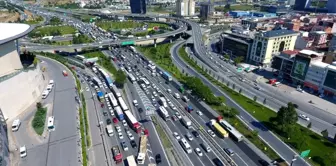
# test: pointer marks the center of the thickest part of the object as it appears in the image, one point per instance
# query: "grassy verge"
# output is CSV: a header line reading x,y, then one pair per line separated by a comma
x,y
251,135
52,31
161,56
165,141
82,136
320,147
39,120
103,61
88,140
115,25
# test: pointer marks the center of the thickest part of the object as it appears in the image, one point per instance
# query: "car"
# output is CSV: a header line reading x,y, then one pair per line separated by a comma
x,y
120,135
199,113
300,90
174,118
257,88
189,136
105,113
140,110
263,162
158,159
176,135
177,114
115,120
133,144
118,129
211,133
229,151
195,133
108,121
130,136
23,151
217,162
124,123
169,90
304,117
198,152
174,108
124,146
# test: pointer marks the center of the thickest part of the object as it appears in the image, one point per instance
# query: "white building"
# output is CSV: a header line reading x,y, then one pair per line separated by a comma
x,y
185,7
315,75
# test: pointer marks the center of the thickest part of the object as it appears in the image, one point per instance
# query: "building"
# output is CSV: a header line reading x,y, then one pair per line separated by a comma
x,y
331,6
253,23
283,63
301,4
238,13
332,43
251,14
329,83
303,42
292,25
319,37
205,10
138,6
185,7
265,44
315,75
235,44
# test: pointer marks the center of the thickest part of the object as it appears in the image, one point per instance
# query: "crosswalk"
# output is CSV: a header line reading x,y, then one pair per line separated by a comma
x,y
150,109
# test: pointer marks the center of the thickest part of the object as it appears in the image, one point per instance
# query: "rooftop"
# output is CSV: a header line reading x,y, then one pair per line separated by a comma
x,y
291,52
331,67
12,31
310,52
275,33
320,64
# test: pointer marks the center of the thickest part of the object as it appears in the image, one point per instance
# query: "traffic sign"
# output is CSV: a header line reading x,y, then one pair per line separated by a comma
x,y
305,153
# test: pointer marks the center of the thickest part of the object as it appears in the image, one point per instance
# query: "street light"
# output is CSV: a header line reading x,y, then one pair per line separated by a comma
x,y
293,159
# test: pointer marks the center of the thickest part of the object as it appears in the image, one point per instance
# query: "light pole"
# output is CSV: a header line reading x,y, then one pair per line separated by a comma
x,y
294,158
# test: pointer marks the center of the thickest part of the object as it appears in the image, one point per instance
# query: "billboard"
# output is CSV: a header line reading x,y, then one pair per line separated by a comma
x,y
300,67
330,80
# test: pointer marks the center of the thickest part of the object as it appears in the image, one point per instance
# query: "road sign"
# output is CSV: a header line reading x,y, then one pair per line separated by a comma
x,y
305,153
239,69
127,43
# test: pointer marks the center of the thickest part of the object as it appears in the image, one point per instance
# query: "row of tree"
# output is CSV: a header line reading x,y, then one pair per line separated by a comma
x,y
79,39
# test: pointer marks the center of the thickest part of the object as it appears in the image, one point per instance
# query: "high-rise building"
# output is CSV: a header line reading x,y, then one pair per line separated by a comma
x,y
331,5
185,7
138,6
205,10
301,4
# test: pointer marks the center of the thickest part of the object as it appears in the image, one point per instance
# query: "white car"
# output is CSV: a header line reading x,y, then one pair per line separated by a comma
x,y
300,90
124,123
176,135
120,135
174,108
169,91
124,146
305,117
198,152
211,133
199,113
178,115
23,151
190,137
130,136
118,129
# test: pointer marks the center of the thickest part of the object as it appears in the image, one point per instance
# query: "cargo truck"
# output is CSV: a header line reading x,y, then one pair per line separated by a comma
x,y
186,121
109,130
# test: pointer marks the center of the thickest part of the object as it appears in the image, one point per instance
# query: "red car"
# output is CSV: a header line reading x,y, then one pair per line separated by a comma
x,y
115,120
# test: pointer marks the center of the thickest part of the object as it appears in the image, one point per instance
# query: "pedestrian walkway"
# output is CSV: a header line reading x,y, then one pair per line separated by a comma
x,y
150,109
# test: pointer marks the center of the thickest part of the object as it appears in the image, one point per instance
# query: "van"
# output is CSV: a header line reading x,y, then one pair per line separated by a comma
x,y
45,94
206,147
185,99
16,125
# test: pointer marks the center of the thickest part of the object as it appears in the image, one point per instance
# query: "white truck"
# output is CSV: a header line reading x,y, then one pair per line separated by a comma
x,y
186,121
109,130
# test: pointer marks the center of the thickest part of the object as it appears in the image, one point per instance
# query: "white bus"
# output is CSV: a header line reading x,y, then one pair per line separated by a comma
x,y
233,132
51,126
115,91
97,81
131,77
142,150
164,113
131,161
185,145
144,80
80,57
113,100
163,102
122,104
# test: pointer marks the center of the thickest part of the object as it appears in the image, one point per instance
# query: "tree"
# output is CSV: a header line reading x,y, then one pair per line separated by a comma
x,y
331,158
120,78
238,59
38,105
287,115
309,125
240,90
325,133
226,56
264,102
255,98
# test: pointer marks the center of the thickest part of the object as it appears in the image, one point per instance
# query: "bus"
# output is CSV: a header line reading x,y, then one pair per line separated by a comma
x,y
185,145
142,150
115,91
113,100
117,155
51,126
96,81
132,121
120,113
144,80
166,76
164,113
106,77
236,135
122,104
163,102
131,161
131,77
80,57
215,126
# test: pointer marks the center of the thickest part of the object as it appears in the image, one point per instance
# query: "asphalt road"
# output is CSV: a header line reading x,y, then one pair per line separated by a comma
x,y
281,148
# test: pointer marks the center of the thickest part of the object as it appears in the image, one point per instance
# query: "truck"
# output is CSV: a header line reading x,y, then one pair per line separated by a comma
x,y
100,95
186,121
218,128
109,130
142,150
189,108
166,76
117,155
163,102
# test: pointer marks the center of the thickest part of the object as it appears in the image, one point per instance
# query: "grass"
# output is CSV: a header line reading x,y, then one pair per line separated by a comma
x,y
236,7
162,134
234,121
115,25
88,140
161,56
82,136
52,31
103,61
320,147
39,120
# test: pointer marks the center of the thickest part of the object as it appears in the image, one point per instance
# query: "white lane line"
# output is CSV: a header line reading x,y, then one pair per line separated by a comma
x,y
241,159
199,160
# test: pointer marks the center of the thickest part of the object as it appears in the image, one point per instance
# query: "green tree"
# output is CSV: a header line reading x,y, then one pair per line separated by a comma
x,y
238,59
325,133
226,56
255,98
120,78
38,105
287,115
309,125
331,158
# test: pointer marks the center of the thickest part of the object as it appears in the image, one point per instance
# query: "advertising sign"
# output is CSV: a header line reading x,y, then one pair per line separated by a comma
x,y
300,67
